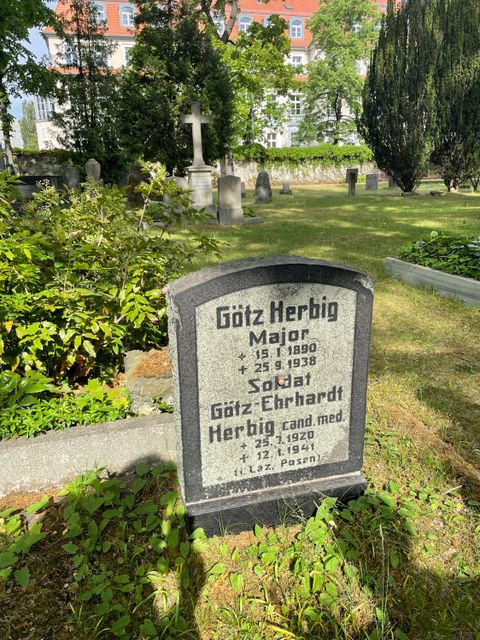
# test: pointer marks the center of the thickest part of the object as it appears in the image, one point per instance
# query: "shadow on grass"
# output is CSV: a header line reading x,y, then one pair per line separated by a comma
x,y
118,563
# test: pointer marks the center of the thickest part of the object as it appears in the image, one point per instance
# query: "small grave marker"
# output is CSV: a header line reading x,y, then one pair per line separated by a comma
x,y
263,189
230,200
371,181
270,362
352,177
285,190
93,169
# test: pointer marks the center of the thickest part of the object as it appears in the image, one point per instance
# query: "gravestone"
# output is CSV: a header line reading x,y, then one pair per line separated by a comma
x,y
230,200
270,363
391,182
351,179
199,173
263,189
243,189
93,169
371,181
71,177
285,190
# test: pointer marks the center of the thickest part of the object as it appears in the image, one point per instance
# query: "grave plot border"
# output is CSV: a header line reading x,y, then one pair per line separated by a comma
x,y
192,291
445,284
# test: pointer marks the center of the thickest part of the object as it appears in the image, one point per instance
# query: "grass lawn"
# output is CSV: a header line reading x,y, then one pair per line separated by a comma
x,y
401,562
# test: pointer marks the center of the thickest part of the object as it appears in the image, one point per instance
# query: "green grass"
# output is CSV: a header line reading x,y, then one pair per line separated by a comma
x,y
402,562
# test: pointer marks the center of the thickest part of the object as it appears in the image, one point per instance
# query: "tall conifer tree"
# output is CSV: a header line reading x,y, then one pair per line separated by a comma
x,y
399,96
457,82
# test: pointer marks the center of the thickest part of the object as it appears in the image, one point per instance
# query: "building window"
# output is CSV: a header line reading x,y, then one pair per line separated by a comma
x,y
70,55
219,22
271,141
296,104
101,15
244,23
296,59
266,21
127,16
296,28
44,108
126,53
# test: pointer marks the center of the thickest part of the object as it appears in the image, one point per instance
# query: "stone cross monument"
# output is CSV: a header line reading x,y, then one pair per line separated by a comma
x,y
199,174
196,120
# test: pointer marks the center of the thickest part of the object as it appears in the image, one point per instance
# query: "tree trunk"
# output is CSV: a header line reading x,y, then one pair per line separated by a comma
x,y
6,123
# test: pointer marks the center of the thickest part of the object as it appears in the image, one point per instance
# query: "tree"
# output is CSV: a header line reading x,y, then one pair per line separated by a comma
x,y
87,90
172,64
19,70
457,84
256,64
257,69
27,126
344,32
399,97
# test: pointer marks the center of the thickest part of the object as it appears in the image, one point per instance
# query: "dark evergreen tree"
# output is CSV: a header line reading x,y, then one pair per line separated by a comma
x,y
457,83
87,90
172,64
399,97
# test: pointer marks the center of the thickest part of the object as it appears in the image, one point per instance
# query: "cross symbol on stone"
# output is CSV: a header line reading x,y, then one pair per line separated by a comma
x,y
242,356
243,446
242,369
244,458
196,120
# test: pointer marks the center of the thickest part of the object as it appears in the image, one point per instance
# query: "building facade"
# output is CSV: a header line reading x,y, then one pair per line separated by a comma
x,y
118,17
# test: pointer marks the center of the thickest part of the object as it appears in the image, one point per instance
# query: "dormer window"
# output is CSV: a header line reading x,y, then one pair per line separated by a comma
x,y
266,21
296,28
127,16
100,15
244,23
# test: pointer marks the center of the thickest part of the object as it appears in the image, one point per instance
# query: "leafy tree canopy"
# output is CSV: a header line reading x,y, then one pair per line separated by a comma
x,y
19,70
344,32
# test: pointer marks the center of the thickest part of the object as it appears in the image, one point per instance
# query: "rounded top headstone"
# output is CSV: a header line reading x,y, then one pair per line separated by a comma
x,y
93,169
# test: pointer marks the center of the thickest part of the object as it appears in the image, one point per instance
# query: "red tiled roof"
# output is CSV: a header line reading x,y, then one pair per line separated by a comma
x,y
112,7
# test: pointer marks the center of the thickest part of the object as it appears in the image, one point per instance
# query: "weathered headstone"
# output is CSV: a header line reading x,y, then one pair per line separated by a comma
x,y
285,190
230,200
93,169
199,174
371,181
181,182
243,189
391,182
263,189
270,362
71,177
351,179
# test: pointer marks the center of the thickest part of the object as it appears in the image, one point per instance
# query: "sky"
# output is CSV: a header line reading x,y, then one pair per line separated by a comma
x,y
39,48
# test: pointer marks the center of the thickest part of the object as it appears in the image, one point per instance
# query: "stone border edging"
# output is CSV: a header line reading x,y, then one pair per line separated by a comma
x,y
450,286
53,459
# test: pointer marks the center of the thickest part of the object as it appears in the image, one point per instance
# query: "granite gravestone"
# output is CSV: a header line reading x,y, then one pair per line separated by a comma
x,y
230,200
71,178
371,181
263,189
270,361
352,177
285,190
93,169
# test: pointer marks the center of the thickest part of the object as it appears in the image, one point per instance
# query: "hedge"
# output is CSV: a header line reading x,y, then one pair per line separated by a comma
x,y
327,155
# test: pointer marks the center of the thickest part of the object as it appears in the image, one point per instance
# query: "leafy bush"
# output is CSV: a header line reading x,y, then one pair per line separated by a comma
x,y
81,275
96,404
456,255
327,155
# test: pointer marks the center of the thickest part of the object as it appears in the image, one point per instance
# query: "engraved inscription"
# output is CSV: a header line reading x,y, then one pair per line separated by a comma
x,y
275,389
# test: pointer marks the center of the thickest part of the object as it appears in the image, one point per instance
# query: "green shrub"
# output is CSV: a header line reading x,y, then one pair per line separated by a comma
x,y
96,404
81,275
456,255
326,155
